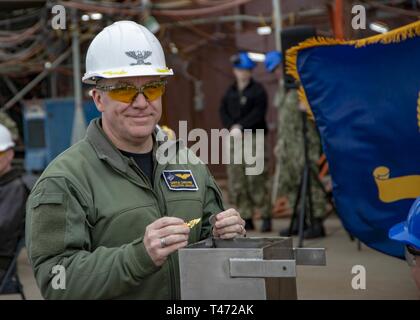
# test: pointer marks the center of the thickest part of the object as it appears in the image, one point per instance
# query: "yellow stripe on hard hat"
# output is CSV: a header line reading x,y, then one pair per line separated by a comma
x,y
163,70
114,73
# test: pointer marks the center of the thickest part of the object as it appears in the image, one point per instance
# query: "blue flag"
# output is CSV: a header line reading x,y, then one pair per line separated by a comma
x,y
365,98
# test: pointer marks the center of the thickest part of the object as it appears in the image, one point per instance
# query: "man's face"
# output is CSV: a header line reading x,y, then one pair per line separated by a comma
x,y
129,122
6,158
279,70
242,75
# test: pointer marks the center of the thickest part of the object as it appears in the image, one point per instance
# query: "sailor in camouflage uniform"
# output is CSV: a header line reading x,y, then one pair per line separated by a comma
x,y
289,152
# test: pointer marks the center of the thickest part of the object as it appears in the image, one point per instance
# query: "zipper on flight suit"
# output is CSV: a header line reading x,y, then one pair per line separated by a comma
x,y
162,214
136,168
154,188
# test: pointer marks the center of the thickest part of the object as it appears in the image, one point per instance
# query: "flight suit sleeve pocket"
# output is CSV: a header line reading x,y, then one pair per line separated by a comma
x,y
218,193
48,198
214,204
48,223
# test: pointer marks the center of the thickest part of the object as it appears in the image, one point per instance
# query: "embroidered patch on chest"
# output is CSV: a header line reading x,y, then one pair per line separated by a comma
x,y
180,180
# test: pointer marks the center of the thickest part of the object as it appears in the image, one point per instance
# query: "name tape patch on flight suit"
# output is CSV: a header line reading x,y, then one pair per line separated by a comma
x,y
180,180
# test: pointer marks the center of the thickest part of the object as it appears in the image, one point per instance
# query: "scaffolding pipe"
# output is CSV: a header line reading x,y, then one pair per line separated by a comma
x,y
79,125
36,80
243,18
10,85
411,13
339,19
277,24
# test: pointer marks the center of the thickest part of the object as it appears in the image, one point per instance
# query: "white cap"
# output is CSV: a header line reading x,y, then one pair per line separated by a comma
x,y
6,141
124,49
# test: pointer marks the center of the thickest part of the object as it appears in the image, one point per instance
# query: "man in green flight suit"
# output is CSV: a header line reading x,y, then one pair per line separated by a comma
x,y
112,211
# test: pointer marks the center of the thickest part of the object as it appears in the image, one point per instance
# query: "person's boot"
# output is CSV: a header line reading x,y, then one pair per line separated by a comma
x,y
249,224
266,225
316,230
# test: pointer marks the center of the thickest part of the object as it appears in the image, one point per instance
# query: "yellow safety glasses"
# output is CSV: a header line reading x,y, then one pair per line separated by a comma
x,y
126,93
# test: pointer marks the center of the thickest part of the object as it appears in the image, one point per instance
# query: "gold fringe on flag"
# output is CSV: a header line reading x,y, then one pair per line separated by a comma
x,y
406,32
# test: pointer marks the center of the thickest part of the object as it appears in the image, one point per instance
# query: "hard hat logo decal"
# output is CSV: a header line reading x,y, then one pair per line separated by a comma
x,y
140,56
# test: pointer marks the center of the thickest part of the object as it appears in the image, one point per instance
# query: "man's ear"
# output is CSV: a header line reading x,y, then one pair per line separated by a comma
x,y
10,155
98,99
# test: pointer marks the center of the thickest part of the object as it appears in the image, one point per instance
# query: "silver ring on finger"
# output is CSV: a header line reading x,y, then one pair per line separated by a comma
x,y
163,242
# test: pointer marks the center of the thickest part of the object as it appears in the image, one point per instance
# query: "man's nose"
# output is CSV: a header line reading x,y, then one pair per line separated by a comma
x,y
140,101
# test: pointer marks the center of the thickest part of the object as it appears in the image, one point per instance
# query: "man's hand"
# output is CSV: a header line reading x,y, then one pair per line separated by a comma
x,y
229,224
165,236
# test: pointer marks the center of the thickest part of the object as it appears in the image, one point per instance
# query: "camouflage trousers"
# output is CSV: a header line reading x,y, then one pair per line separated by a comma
x,y
249,192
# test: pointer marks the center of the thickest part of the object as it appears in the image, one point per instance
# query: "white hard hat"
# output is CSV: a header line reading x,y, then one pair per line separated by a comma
x,y
124,49
6,141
